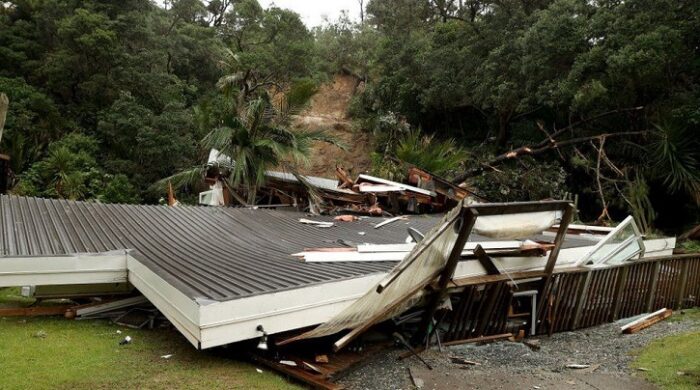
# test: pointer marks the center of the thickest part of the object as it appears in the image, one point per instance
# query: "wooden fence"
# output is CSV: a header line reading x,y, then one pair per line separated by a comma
x,y
580,298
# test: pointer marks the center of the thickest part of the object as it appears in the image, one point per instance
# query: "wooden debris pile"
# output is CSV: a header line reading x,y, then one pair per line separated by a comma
x,y
365,195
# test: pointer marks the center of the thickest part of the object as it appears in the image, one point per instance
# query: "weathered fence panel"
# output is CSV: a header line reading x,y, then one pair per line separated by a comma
x,y
480,310
580,298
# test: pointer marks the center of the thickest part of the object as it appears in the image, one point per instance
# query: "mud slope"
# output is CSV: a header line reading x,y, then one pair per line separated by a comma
x,y
328,111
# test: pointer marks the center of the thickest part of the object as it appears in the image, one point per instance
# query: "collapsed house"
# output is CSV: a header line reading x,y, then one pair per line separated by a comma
x,y
219,274
365,195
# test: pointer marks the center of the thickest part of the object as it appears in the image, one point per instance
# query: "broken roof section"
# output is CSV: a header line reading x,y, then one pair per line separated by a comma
x,y
365,194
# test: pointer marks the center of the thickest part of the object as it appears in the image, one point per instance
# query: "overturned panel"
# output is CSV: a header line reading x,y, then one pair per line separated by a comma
x,y
421,266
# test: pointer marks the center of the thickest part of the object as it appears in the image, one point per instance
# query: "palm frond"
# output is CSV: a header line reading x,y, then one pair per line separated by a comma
x,y
189,177
677,158
438,156
219,138
319,135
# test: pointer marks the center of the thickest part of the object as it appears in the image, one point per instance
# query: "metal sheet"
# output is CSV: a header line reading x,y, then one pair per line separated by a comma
x,y
205,252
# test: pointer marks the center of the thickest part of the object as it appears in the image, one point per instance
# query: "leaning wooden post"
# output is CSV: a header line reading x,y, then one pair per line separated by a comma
x,y
466,222
652,286
582,300
554,254
619,291
682,283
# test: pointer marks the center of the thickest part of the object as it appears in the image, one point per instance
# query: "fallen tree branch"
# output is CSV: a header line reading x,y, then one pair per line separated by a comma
x,y
546,146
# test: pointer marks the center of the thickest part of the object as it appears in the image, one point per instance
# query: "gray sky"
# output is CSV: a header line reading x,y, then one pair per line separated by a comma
x,y
313,11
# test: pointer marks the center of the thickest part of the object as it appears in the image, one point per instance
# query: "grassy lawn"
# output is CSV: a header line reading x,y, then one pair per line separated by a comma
x,y
43,353
674,361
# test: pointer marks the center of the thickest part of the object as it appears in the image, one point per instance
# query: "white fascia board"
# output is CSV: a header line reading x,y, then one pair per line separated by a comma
x,y
231,321
658,247
471,245
368,253
329,257
59,270
179,309
604,230
567,257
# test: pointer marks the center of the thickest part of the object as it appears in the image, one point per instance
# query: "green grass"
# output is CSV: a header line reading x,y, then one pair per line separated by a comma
x,y
10,297
688,315
673,362
87,355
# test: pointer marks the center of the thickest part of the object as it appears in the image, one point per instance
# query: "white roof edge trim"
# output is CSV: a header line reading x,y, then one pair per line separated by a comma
x,y
178,308
66,269
397,184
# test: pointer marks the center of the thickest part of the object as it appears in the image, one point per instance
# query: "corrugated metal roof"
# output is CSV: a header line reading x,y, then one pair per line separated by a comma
x,y
205,252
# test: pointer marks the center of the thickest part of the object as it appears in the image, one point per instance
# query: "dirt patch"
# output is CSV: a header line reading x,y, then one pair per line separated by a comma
x,y
509,365
328,111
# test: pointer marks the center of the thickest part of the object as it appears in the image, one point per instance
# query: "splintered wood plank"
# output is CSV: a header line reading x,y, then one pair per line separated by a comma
x,y
484,339
646,321
34,311
317,381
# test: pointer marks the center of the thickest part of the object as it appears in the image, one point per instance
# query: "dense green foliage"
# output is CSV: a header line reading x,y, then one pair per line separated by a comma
x,y
107,98
615,83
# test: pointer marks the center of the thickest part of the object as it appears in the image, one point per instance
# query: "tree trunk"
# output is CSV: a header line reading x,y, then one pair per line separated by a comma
x,y
503,129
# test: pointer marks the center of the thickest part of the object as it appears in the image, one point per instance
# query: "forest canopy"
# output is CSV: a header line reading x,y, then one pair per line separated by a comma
x,y
597,100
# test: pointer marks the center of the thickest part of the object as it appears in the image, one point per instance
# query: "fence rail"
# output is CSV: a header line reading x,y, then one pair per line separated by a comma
x,y
583,298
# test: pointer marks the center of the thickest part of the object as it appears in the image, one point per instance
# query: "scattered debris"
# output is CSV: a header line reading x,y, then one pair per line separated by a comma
x,y
259,370
138,318
346,218
577,366
646,321
418,382
321,359
290,363
166,356
591,369
40,334
408,346
390,220
643,369
534,344
311,367
126,340
459,360
320,224
480,340
98,309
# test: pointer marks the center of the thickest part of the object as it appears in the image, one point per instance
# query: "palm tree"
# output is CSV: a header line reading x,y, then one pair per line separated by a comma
x,y
256,140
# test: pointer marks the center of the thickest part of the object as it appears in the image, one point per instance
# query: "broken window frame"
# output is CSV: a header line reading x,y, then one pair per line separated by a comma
x,y
620,247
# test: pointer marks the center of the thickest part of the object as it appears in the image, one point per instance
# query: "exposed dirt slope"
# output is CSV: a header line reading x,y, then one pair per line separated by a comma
x,y
328,111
